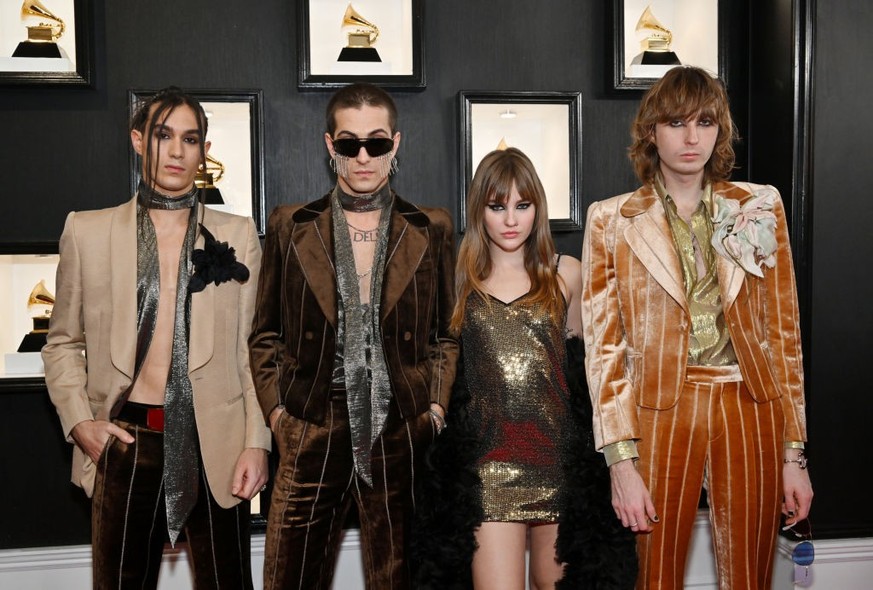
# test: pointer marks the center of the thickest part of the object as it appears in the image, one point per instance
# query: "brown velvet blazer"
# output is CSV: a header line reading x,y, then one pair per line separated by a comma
x,y
91,345
293,337
636,321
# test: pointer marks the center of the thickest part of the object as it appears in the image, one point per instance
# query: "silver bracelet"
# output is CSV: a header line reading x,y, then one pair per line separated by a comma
x,y
801,460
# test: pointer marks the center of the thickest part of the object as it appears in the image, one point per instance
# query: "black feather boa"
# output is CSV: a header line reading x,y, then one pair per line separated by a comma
x,y
599,553
448,504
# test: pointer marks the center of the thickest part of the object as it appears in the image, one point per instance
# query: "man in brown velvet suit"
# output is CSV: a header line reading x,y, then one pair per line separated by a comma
x,y
351,353
147,364
690,319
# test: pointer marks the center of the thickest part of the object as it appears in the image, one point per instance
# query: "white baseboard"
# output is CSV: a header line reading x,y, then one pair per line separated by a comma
x,y
846,564
50,568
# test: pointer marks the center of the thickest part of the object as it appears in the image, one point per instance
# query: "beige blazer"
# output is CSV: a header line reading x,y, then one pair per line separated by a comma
x,y
636,320
89,355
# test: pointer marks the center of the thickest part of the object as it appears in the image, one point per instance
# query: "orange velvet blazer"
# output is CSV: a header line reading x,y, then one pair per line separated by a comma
x,y
636,321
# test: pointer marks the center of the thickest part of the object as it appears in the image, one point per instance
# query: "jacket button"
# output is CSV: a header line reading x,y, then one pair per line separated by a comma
x,y
407,336
308,335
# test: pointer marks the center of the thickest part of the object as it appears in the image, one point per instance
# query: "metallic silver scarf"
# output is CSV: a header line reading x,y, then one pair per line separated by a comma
x,y
368,389
181,451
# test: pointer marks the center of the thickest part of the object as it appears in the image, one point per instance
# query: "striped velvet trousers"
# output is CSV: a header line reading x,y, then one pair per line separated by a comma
x,y
719,437
313,490
129,522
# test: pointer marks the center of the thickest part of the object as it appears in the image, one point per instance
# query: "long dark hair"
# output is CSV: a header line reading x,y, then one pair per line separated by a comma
x,y
144,120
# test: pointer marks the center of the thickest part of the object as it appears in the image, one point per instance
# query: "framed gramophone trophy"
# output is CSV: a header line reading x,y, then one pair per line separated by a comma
x,y
27,311
343,41
545,125
652,36
46,42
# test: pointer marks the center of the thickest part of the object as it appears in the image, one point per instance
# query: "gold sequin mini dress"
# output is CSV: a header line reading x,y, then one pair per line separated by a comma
x,y
514,360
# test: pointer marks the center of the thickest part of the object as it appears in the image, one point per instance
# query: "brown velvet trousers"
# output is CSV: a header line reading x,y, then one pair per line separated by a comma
x,y
719,437
313,490
129,523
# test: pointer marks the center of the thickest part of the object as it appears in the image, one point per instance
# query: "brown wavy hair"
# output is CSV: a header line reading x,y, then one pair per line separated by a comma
x,y
493,181
683,92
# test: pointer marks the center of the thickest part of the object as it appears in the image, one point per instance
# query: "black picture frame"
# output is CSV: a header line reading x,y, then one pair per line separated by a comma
x,y
317,69
83,48
624,78
477,133
235,132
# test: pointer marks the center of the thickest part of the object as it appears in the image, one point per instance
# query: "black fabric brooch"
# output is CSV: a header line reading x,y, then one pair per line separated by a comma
x,y
215,263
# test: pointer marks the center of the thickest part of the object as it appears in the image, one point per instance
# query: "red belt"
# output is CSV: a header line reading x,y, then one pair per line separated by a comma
x,y
151,417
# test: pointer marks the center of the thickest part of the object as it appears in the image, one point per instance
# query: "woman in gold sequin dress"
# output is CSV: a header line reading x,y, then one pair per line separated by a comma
x,y
517,303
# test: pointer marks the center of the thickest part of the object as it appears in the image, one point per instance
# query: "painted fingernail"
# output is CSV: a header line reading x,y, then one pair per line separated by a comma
x,y
791,514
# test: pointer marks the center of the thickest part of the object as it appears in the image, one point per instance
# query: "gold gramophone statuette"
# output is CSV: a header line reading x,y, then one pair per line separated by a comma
x,y
366,32
655,40
44,32
206,179
39,305
360,39
655,36
209,175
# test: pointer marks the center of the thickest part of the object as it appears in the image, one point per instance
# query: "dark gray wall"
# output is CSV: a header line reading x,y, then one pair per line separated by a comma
x,y
840,404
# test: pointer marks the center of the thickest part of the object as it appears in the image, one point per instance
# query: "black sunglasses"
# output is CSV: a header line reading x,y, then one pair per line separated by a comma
x,y
350,147
803,553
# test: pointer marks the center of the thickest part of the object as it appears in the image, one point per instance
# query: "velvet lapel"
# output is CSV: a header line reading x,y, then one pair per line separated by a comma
x,y
730,274
122,240
201,340
312,241
407,244
648,235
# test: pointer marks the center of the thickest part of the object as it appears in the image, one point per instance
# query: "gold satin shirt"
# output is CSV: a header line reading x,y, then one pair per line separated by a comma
x,y
710,342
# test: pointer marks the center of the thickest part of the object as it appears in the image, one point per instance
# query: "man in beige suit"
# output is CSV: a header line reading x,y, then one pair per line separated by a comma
x,y
147,359
690,319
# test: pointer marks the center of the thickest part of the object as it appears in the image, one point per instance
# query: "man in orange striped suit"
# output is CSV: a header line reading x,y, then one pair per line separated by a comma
x,y
690,319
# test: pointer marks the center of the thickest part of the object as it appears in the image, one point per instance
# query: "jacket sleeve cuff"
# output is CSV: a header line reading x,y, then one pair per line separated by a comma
x,y
620,451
